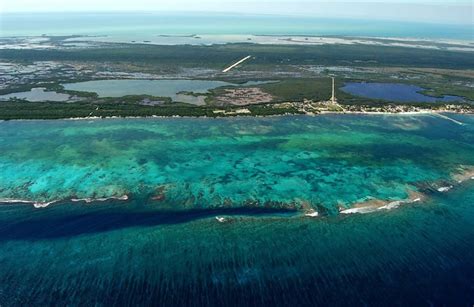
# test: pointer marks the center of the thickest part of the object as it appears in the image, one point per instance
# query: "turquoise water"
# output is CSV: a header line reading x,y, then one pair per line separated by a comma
x,y
164,246
133,25
393,92
327,160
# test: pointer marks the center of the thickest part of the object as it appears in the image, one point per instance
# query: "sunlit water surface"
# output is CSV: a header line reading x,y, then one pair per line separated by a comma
x,y
255,172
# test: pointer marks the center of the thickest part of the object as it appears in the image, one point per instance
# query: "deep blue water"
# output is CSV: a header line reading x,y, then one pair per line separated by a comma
x,y
112,254
394,92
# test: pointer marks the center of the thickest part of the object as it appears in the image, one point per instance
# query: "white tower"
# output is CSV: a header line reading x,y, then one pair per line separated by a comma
x,y
333,97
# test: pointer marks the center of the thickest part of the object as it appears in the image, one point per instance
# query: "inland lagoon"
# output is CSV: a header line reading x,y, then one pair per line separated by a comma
x,y
328,210
37,94
394,92
179,90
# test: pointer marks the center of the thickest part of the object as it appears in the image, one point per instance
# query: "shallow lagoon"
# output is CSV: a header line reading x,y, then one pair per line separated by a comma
x,y
394,92
37,95
160,88
128,26
172,251
330,161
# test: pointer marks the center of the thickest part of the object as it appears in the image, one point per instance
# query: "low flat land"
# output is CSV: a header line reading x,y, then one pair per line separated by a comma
x,y
299,75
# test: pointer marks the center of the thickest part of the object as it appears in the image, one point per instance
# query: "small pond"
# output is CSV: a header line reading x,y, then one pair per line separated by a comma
x,y
393,92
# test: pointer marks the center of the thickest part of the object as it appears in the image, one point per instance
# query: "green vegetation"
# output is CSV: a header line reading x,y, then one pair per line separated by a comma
x,y
299,89
439,71
220,55
19,109
295,90
20,88
56,87
446,87
52,86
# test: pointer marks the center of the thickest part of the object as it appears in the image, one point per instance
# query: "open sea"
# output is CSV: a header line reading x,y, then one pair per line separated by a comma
x,y
163,246
128,26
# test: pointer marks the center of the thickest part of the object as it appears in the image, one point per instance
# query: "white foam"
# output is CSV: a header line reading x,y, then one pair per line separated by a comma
x,y
445,189
312,213
391,205
43,205
89,200
361,210
36,204
40,204
11,201
220,219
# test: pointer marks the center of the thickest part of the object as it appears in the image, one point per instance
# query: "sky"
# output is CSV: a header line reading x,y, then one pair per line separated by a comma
x,y
435,11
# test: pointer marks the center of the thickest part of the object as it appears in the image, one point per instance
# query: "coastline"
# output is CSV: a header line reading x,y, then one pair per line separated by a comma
x,y
237,153
409,113
72,40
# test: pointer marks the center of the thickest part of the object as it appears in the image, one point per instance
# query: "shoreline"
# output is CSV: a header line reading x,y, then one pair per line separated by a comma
x,y
35,42
243,115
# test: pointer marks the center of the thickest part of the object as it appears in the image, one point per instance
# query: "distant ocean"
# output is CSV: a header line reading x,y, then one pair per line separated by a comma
x,y
127,25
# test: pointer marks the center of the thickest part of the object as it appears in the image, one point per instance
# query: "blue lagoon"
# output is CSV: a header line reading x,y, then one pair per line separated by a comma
x,y
395,92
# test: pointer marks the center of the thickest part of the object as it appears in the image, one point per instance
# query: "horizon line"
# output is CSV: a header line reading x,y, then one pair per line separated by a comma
x,y
295,15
